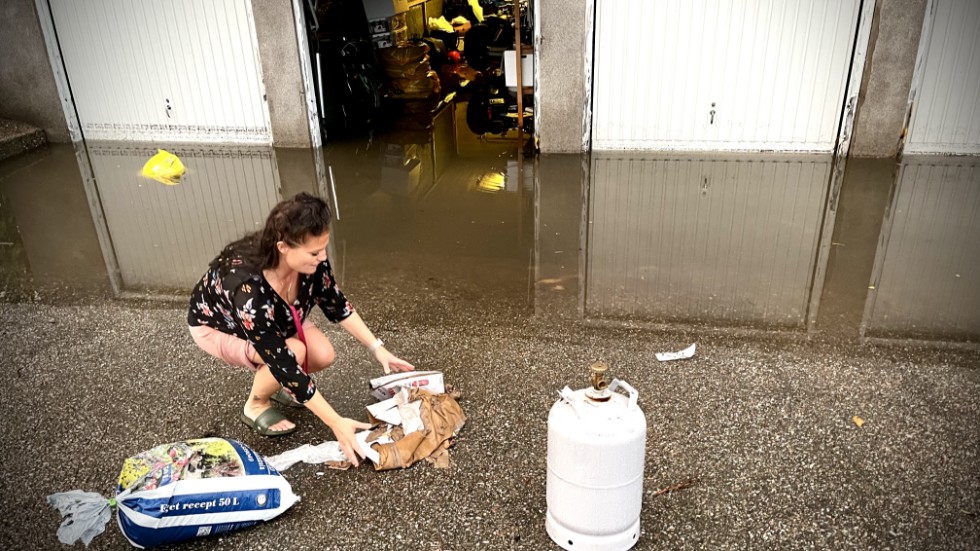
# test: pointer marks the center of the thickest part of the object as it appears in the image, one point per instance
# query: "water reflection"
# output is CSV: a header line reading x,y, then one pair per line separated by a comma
x,y
474,234
446,239
927,267
163,236
731,239
49,236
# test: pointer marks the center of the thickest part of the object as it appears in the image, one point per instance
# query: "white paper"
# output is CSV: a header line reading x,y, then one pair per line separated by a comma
x,y
386,411
379,381
370,452
411,415
395,411
386,387
682,355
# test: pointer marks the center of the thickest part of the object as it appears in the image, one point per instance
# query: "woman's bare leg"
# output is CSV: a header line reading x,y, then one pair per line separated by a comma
x,y
264,385
319,352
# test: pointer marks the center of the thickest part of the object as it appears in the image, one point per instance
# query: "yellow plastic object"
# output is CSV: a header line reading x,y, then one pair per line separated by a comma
x,y
164,167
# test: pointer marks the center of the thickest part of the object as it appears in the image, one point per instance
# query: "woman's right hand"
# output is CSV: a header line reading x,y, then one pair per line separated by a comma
x,y
344,428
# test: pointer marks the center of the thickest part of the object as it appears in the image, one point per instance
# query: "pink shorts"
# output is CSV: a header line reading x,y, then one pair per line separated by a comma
x,y
225,347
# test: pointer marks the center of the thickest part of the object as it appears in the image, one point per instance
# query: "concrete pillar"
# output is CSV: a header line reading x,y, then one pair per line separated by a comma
x,y
561,74
892,48
27,89
275,28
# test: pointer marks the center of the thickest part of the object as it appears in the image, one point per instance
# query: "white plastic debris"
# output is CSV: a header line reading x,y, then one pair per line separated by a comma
x,y
682,355
314,455
85,514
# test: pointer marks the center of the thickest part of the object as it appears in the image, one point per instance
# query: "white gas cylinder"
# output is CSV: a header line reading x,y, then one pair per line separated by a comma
x,y
596,445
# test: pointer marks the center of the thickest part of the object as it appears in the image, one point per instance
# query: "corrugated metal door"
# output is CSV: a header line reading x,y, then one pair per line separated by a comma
x,y
925,281
704,239
164,236
946,106
753,75
163,70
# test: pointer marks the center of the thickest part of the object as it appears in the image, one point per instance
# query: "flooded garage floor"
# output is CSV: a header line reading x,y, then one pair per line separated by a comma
x,y
512,276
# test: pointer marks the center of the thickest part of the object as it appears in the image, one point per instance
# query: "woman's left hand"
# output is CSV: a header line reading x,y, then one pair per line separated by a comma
x,y
390,362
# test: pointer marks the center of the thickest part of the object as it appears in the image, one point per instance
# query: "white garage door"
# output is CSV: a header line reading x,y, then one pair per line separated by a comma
x,y
730,239
163,70
946,106
751,75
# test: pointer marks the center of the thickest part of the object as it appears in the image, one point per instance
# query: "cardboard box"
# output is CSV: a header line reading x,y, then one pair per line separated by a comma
x,y
384,388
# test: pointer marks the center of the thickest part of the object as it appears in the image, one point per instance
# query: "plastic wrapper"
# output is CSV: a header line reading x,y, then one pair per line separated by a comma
x,y
409,70
402,55
327,452
164,167
181,491
420,87
86,514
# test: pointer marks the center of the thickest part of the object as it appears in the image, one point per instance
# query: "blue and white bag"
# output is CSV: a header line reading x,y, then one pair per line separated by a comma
x,y
181,491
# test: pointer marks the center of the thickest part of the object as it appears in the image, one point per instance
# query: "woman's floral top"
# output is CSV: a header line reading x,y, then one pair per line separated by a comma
x,y
235,298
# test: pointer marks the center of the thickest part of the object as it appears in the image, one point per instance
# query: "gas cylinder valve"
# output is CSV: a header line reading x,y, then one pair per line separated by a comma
x,y
600,386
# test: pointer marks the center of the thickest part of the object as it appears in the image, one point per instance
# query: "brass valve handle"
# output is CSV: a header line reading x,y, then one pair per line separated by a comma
x,y
598,371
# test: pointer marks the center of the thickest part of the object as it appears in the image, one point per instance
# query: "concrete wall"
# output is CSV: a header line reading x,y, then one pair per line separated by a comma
x,y
884,96
27,89
279,53
561,74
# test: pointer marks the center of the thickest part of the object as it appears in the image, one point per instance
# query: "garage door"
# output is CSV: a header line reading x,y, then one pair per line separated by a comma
x,y
679,237
163,70
925,276
946,98
750,75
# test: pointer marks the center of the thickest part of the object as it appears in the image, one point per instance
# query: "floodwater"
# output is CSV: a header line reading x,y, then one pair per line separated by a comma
x,y
444,227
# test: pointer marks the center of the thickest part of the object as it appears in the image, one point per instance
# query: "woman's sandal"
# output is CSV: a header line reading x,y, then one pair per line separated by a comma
x,y
282,397
261,424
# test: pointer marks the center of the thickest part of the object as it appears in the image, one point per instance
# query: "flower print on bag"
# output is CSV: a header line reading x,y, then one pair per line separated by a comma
x,y
205,309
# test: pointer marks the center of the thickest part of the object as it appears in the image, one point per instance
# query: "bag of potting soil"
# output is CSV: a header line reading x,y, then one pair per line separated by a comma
x,y
181,491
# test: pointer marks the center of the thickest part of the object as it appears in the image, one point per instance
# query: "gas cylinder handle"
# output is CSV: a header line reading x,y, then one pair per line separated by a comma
x,y
634,395
568,396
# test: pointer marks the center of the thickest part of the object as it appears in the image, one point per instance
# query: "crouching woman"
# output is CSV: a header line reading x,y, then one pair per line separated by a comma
x,y
251,309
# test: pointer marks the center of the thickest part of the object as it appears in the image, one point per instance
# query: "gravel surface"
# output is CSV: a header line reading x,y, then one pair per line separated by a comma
x,y
762,420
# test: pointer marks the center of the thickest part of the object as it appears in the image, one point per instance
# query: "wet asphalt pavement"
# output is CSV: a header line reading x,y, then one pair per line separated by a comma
x,y
763,421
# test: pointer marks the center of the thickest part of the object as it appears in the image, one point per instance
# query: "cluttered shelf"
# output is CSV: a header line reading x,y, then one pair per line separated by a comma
x,y
415,56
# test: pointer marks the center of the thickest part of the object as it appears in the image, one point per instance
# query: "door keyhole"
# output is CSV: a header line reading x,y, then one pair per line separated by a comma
x,y
169,108
712,114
